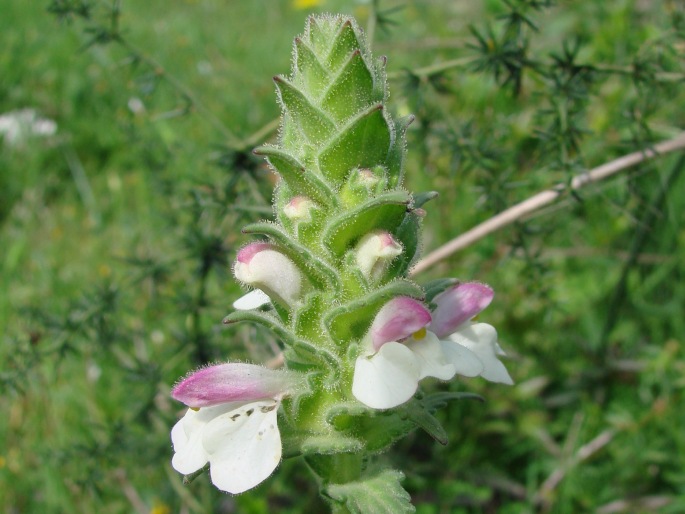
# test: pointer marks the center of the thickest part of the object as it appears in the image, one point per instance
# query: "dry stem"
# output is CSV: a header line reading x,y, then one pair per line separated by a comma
x,y
546,197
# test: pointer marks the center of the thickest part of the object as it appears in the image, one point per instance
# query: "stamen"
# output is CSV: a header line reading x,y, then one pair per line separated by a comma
x,y
419,334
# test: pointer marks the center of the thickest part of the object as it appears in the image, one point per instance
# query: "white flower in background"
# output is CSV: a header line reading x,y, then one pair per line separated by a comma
x,y
231,423
17,126
407,343
262,266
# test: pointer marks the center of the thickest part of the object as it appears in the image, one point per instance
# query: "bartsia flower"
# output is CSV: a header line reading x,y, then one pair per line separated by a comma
x,y
231,423
375,252
263,266
407,343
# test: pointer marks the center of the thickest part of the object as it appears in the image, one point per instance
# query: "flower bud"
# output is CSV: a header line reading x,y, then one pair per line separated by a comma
x,y
367,178
260,265
375,251
299,209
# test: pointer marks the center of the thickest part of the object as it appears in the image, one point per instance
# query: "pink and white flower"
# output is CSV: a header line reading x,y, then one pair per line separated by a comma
x,y
262,266
407,343
374,253
231,423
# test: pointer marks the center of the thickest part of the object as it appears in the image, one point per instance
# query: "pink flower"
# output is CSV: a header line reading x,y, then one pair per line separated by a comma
x,y
262,266
407,343
231,423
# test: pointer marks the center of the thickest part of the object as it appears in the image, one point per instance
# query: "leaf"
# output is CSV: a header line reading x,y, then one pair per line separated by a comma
x,y
314,124
384,212
398,150
377,492
408,235
264,319
435,287
350,91
362,143
420,199
296,176
352,320
417,413
379,429
309,70
345,43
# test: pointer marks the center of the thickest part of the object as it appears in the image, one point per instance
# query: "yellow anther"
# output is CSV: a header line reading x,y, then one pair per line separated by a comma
x,y
420,334
195,408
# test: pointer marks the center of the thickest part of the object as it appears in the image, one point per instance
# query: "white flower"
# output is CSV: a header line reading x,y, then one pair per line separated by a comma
x,y
252,300
398,351
231,423
374,253
262,266
16,126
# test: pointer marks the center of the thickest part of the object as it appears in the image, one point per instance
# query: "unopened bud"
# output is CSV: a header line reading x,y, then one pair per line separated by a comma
x,y
262,266
375,251
299,209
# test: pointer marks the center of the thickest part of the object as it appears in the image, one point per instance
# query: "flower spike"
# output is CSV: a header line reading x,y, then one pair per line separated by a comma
x,y
333,276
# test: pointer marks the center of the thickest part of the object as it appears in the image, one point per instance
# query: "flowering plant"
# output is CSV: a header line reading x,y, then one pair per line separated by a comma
x,y
330,279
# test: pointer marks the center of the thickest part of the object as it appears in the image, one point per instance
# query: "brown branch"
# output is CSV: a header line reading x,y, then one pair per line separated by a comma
x,y
546,197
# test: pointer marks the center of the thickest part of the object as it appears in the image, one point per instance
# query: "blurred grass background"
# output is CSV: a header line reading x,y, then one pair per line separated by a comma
x,y
117,233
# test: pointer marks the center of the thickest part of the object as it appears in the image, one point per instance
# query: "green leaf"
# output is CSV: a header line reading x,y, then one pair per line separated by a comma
x,y
309,70
314,268
352,320
408,234
362,143
377,492
386,212
417,413
435,401
378,429
398,150
420,199
435,287
350,91
345,43
296,176
266,320
314,124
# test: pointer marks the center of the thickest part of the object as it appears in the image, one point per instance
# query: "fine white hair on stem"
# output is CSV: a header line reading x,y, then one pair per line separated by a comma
x,y
534,203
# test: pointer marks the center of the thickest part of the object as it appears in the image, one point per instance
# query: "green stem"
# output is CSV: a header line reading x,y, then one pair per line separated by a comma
x,y
339,468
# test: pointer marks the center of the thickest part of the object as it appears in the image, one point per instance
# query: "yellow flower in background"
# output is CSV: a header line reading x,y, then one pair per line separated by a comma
x,y
306,4
160,508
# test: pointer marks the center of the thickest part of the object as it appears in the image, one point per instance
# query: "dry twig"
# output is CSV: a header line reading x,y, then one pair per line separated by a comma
x,y
534,203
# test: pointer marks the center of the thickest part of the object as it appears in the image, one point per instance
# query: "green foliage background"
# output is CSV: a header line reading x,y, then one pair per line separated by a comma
x,y
116,237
